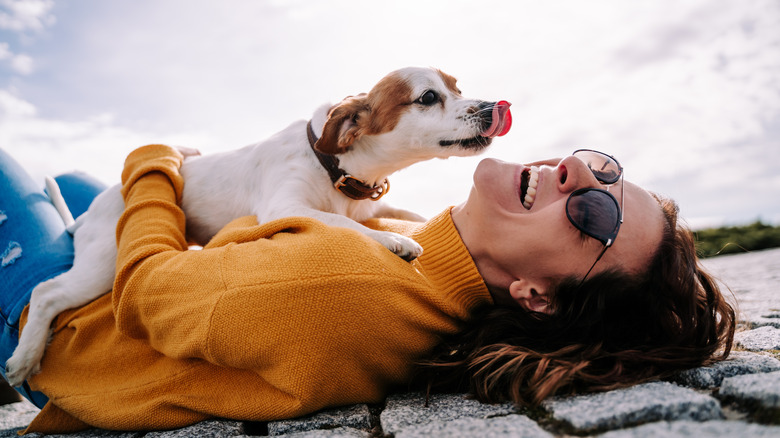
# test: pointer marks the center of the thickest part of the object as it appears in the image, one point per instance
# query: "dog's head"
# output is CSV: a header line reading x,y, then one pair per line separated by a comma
x,y
420,109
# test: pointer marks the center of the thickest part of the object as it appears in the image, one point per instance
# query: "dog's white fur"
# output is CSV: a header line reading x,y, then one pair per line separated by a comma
x,y
374,135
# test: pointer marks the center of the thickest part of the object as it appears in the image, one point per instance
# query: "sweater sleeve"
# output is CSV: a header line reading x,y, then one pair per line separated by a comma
x,y
150,235
271,280
164,293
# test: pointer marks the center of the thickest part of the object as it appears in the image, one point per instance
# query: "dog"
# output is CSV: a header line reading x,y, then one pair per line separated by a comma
x,y
333,168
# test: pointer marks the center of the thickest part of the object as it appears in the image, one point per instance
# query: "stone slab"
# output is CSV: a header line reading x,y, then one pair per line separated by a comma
x,y
10,433
507,426
754,322
759,339
644,403
406,410
16,415
763,389
91,433
770,318
738,363
753,278
355,417
695,429
339,432
204,429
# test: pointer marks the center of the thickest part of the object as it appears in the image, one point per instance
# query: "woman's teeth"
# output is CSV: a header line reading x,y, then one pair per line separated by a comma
x,y
533,182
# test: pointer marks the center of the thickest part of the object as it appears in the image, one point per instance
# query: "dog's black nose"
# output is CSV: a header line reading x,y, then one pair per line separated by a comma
x,y
485,113
495,118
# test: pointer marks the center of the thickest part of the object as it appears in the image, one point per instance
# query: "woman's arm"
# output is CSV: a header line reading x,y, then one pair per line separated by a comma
x,y
150,234
251,288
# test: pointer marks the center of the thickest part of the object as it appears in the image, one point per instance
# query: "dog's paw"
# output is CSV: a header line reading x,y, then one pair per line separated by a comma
x,y
401,246
20,367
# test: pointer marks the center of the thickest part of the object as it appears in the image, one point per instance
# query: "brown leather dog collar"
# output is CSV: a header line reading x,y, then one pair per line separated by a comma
x,y
342,181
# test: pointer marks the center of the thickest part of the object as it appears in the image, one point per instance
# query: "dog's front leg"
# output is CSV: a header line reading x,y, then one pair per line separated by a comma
x,y
401,246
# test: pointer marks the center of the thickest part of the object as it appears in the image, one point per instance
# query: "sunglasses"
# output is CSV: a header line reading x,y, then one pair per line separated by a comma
x,y
593,211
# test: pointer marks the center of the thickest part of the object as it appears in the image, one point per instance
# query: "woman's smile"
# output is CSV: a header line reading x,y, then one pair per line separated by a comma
x,y
529,182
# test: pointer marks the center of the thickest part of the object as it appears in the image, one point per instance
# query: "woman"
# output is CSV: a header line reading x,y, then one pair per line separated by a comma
x,y
646,311
278,320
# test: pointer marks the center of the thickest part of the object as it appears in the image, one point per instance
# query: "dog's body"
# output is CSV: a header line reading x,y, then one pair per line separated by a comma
x,y
411,115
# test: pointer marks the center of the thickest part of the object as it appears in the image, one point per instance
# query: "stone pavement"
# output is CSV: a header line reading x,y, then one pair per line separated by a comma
x,y
739,397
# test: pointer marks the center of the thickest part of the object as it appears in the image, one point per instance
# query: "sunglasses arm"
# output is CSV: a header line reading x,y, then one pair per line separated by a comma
x,y
601,254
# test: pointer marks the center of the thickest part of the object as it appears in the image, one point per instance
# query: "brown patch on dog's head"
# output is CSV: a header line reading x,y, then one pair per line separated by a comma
x,y
366,114
449,82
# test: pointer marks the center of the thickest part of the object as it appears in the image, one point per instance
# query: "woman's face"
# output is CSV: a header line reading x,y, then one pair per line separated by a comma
x,y
523,252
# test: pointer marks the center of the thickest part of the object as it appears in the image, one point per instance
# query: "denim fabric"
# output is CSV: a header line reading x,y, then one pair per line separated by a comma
x,y
34,245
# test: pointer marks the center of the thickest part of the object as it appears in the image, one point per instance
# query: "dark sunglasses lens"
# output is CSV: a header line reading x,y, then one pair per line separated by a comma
x,y
604,168
595,213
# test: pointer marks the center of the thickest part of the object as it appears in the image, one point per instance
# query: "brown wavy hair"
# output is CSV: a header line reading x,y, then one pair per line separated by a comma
x,y
612,331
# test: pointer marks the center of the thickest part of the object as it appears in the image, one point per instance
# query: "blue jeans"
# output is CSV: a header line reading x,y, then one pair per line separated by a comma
x,y
34,245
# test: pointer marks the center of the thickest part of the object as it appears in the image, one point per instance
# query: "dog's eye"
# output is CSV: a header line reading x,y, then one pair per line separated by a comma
x,y
428,98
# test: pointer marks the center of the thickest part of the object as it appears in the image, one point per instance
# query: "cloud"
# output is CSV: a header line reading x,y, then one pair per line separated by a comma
x,y
22,16
26,15
22,64
669,95
96,144
12,107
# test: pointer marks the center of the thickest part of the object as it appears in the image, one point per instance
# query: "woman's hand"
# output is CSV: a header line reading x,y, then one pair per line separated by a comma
x,y
188,152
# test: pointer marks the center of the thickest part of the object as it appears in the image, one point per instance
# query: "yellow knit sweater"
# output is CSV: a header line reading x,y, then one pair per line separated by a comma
x,y
266,322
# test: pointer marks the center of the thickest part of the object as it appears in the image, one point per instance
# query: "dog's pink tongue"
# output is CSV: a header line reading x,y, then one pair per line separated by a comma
x,y
502,120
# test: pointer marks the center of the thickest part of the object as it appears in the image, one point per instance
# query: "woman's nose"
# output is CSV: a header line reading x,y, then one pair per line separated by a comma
x,y
574,174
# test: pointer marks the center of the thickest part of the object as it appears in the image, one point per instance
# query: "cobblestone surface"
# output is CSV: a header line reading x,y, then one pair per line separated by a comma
x,y
760,389
630,406
738,363
739,397
404,411
354,417
760,339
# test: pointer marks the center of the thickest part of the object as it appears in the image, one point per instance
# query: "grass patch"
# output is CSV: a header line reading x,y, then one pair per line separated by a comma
x,y
736,239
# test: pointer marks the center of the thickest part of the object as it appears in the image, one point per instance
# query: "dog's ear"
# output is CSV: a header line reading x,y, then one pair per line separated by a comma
x,y
345,124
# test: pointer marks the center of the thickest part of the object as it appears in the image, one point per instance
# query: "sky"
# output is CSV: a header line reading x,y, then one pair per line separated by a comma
x,y
685,94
